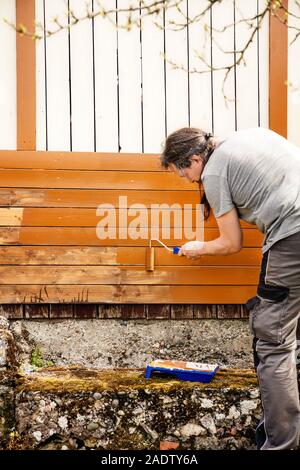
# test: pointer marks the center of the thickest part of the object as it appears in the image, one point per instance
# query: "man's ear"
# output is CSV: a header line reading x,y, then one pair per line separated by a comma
x,y
196,158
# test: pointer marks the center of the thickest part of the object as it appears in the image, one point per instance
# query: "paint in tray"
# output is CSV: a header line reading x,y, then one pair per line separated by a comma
x,y
183,370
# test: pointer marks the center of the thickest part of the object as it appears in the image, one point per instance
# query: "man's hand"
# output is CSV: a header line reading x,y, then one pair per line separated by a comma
x,y
192,250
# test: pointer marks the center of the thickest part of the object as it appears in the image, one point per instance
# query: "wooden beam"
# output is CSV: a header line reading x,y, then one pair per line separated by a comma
x,y
278,70
26,79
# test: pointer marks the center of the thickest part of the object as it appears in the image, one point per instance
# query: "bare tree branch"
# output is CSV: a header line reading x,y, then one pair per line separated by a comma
x,y
138,10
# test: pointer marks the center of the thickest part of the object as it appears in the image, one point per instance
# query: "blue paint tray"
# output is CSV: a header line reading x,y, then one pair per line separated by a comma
x,y
191,371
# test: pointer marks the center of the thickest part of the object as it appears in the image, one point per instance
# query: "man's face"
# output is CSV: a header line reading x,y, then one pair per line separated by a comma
x,y
193,172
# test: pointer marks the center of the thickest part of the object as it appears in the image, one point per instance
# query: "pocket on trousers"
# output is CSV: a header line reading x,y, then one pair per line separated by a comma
x,y
267,318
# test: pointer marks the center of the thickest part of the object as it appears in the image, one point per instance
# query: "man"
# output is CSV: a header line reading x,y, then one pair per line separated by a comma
x,y
254,175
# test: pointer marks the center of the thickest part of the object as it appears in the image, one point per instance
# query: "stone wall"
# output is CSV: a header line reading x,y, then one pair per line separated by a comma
x,y
69,406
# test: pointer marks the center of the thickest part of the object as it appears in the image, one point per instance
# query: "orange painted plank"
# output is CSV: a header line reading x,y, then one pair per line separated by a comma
x,y
92,198
76,217
87,236
93,180
174,275
136,256
79,161
114,256
127,294
278,70
26,77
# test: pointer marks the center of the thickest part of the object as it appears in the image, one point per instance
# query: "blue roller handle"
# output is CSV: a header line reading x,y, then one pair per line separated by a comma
x,y
176,250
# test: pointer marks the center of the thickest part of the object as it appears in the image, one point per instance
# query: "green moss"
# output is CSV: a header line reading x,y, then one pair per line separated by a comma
x,y
78,379
37,360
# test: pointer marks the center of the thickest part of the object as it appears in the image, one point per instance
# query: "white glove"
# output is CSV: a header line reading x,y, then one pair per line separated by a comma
x,y
194,245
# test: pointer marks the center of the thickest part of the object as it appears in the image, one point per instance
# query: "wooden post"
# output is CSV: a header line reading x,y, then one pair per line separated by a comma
x,y
278,70
26,81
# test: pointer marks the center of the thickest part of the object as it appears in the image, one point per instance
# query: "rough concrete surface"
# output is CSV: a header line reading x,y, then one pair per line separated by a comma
x,y
133,343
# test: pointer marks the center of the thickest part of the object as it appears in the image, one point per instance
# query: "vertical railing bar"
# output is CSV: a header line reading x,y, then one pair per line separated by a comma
x,y
45,73
235,74
211,69
118,78
258,67
142,89
188,63
165,70
94,78
70,76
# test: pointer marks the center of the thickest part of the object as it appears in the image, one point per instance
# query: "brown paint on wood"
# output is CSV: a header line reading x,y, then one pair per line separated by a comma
x,y
93,180
114,256
278,70
135,256
88,236
126,294
26,77
51,252
92,198
79,160
86,217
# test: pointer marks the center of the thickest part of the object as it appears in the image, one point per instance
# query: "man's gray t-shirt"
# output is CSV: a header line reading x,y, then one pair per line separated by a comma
x,y
258,172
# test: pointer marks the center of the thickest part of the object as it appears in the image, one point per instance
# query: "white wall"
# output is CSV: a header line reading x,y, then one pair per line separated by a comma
x,y
7,76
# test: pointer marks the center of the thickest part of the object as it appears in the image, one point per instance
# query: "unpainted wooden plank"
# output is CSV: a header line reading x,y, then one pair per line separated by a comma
x,y
11,216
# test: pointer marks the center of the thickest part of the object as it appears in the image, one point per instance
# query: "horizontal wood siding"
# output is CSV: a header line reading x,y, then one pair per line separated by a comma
x,y
50,251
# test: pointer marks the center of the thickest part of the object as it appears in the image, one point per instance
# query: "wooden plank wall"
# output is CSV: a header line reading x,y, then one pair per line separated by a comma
x,y
50,252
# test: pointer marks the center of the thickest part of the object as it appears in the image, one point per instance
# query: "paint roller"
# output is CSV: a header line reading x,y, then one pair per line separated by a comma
x,y
193,245
150,253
